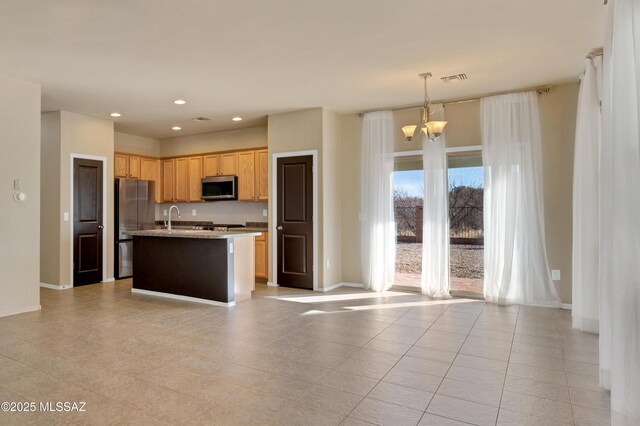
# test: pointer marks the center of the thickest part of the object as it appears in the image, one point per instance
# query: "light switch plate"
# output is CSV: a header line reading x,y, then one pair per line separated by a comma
x,y
264,212
65,216
16,184
555,274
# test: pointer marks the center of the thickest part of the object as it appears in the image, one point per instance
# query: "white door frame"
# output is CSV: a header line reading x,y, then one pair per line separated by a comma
x,y
105,209
274,212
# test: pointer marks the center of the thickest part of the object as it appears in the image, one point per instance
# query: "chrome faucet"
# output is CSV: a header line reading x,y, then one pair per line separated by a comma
x,y
170,209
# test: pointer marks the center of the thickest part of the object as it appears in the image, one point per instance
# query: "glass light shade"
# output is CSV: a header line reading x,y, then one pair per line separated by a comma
x,y
408,132
433,129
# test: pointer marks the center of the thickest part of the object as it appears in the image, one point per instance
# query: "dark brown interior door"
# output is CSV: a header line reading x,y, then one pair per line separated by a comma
x,y
87,221
295,222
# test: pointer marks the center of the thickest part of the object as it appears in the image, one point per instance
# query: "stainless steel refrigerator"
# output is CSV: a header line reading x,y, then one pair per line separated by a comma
x,y
135,210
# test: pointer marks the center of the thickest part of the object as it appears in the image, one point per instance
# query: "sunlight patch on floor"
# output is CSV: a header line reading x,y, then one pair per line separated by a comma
x,y
339,297
346,309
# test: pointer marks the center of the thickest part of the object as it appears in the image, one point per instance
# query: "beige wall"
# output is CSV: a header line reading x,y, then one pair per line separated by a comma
x,y
332,199
558,111
132,144
557,117
220,212
50,199
19,221
76,134
251,137
298,131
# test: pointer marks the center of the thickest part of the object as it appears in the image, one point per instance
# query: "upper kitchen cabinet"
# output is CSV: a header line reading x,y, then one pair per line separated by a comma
x,y
195,178
262,174
182,179
134,167
121,165
220,164
151,169
246,176
228,164
147,169
168,180
253,175
211,165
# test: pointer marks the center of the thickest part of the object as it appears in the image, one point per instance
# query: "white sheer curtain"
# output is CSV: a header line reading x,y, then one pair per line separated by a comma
x,y
604,212
435,230
378,226
621,138
585,287
516,267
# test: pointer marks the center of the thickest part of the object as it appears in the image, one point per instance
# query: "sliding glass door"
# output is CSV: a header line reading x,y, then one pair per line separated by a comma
x,y
408,193
466,193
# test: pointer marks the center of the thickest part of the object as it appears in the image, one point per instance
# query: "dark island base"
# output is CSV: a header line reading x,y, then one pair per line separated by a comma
x,y
196,268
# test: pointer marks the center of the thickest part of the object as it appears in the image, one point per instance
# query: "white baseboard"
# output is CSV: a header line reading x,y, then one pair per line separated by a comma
x,y
270,284
182,298
566,306
20,311
108,280
357,285
343,284
55,287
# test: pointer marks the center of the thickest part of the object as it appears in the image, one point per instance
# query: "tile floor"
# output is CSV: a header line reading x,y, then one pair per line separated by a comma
x,y
291,357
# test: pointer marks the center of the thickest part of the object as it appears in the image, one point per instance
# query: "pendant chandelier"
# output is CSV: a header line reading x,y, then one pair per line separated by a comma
x,y
432,129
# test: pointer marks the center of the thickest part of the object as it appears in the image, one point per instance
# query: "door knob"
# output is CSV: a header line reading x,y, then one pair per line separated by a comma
x,y
100,227
279,228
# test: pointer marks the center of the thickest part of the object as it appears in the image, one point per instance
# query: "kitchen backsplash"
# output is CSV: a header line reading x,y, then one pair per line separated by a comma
x,y
216,211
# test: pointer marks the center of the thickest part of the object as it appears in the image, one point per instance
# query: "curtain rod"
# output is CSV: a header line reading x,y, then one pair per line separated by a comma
x,y
539,91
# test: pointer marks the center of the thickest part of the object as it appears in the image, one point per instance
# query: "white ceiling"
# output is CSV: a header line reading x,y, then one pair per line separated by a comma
x,y
253,58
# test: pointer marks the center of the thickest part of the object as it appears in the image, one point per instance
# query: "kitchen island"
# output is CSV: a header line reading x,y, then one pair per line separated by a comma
x,y
211,267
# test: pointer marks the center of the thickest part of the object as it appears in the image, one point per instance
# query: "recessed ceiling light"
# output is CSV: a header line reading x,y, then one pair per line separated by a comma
x,y
176,128
115,114
179,102
237,118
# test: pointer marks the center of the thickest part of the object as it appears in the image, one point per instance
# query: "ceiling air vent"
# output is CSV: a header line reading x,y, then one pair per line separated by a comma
x,y
201,119
450,78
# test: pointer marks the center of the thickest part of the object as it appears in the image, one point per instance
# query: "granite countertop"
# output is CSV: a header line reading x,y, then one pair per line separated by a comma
x,y
193,233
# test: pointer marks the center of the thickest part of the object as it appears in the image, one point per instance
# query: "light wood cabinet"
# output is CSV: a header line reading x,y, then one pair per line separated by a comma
x,y
134,167
121,165
147,169
262,174
228,165
151,169
195,179
211,165
179,179
159,180
168,180
262,256
246,176
182,179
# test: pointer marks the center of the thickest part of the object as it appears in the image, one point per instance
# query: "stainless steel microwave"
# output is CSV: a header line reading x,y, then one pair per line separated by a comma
x,y
220,188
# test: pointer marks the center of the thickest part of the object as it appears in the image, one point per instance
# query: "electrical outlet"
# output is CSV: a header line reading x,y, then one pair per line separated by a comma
x,y
193,212
65,216
164,212
328,263
555,274
264,212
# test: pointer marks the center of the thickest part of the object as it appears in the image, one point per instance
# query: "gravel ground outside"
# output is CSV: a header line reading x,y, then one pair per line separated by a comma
x,y
466,260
